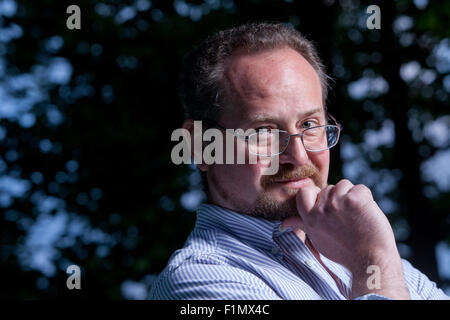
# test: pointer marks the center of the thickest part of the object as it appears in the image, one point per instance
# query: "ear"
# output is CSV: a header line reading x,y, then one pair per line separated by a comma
x,y
188,124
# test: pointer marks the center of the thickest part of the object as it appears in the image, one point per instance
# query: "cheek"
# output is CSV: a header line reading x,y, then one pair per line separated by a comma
x,y
322,161
241,178
248,176
245,173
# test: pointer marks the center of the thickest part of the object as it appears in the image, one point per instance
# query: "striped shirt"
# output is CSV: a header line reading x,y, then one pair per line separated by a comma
x,y
234,256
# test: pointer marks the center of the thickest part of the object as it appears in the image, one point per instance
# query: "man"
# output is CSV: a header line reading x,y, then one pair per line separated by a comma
x,y
289,235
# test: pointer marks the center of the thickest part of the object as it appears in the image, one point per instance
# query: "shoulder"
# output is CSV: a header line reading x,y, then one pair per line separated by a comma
x,y
209,277
203,270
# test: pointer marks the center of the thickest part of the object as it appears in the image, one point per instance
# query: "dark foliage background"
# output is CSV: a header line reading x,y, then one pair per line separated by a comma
x,y
86,118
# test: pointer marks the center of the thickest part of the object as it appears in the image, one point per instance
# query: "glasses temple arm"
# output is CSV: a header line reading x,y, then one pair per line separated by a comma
x,y
335,121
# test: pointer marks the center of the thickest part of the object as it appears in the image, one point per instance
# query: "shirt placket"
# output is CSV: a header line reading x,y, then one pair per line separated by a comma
x,y
305,264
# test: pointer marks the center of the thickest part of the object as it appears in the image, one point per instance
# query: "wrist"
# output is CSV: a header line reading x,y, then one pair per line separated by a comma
x,y
382,275
385,260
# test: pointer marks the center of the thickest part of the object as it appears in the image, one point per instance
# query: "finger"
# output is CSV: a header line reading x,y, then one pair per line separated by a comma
x,y
362,191
323,195
341,188
306,199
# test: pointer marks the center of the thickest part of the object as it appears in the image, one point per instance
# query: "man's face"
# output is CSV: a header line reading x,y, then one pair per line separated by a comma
x,y
274,89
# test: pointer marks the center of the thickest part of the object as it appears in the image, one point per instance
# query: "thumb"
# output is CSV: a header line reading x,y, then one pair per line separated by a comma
x,y
306,199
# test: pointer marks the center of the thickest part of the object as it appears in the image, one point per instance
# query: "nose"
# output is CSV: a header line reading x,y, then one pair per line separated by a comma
x,y
295,152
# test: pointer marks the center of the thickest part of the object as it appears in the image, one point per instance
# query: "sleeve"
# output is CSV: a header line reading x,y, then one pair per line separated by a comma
x,y
372,296
420,287
210,282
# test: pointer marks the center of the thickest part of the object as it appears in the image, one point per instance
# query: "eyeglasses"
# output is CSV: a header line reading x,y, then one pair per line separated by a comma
x,y
272,142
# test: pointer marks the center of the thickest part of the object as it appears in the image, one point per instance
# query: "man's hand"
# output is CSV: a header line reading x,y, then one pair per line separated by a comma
x,y
346,225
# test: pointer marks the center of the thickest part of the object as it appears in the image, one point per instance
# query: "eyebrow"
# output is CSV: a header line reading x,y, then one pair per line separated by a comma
x,y
266,117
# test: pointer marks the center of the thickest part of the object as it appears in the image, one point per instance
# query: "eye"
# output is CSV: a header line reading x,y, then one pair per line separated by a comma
x,y
309,124
263,129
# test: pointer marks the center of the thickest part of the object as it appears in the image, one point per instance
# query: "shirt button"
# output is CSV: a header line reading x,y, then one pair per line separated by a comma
x,y
309,263
275,250
280,228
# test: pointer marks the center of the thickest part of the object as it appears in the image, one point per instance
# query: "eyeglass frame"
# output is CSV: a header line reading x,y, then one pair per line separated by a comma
x,y
301,134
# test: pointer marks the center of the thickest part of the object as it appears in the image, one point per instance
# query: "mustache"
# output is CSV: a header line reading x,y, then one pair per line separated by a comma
x,y
290,172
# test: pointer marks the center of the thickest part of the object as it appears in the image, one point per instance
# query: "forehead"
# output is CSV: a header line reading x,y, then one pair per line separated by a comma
x,y
267,81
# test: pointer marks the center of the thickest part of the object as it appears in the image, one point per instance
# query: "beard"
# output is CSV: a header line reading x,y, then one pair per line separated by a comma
x,y
266,206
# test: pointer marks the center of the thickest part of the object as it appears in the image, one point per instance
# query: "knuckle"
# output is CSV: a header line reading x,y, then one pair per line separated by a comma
x,y
352,199
344,182
357,195
331,204
325,192
363,190
330,189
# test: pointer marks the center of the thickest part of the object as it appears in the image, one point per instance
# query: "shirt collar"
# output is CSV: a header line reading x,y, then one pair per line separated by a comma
x,y
258,232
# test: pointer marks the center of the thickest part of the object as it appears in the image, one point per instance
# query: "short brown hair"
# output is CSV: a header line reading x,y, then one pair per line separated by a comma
x,y
201,85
